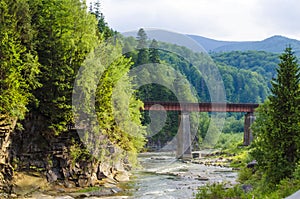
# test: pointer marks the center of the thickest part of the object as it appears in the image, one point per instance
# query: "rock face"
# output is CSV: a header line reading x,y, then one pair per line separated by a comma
x,y
61,159
6,172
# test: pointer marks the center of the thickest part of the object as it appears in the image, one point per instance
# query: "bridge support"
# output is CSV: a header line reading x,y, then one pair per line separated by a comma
x,y
248,137
184,150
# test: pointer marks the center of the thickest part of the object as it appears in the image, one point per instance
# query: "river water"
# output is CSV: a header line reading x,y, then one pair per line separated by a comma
x,y
162,176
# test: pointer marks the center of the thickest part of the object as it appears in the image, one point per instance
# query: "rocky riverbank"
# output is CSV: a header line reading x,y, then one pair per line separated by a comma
x,y
35,161
161,176
34,185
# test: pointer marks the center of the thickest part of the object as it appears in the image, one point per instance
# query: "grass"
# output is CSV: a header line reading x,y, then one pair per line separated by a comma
x,y
89,189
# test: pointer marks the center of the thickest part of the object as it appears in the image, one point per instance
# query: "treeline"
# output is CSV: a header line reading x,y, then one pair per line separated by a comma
x,y
43,46
246,77
264,63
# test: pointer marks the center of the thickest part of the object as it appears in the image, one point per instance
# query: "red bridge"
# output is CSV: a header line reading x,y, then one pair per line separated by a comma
x,y
183,136
201,107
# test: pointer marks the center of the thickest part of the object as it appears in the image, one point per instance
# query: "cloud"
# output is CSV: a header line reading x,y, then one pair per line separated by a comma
x,y
219,19
281,16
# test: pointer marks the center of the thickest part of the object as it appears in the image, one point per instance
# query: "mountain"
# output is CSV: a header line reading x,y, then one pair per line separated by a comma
x,y
274,44
169,37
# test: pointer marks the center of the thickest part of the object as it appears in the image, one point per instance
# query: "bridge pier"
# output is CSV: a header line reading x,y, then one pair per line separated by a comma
x,y
248,137
184,150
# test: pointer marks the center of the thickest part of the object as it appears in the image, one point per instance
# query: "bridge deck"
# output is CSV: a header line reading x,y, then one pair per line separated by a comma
x,y
201,107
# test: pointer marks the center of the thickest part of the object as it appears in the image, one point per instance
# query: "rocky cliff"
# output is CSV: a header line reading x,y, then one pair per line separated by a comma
x,y
7,125
62,158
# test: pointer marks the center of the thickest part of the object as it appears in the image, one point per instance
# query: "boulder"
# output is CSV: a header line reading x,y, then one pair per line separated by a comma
x,y
251,164
246,188
121,176
51,176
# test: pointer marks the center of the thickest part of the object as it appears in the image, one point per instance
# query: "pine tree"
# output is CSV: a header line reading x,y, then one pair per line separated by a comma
x,y
143,54
103,27
153,53
277,130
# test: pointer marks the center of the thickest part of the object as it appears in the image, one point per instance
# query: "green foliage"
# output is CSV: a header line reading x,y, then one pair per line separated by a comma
x,y
245,174
89,189
104,78
103,28
241,84
78,153
296,173
261,62
276,143
143,52
52,39
219,191
229,140
277,129
18,65
285,188
233,124
66,34
153,52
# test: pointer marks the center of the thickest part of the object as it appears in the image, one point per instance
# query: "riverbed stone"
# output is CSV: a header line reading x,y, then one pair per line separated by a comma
x,y
252,164
121,176
51,176
63,197
247,188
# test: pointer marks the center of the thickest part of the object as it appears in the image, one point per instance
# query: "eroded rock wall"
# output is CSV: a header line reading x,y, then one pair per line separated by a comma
x,y
63,159
7,125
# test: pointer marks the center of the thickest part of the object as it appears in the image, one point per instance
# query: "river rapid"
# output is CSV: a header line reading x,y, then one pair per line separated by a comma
x,y
162,176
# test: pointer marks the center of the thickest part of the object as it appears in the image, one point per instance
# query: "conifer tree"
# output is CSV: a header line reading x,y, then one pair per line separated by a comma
x,y
143,54
153,52
277,129
102,26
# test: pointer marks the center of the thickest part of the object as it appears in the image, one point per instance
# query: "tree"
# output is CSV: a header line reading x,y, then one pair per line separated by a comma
x,y
102,26
143,54
18,65
67,33
104,80
277,130
153,53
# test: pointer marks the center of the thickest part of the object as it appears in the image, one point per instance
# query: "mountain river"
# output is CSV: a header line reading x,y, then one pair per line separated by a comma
x,y
162,176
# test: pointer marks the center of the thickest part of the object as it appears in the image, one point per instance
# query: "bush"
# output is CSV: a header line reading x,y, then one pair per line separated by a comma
x,y
229,140
219,191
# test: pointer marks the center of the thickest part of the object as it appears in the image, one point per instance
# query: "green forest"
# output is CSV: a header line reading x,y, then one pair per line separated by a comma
x,y
274,152
63,68
246,77
43,46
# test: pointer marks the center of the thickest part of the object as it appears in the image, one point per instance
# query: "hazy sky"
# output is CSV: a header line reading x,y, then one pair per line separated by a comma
x,y
217,19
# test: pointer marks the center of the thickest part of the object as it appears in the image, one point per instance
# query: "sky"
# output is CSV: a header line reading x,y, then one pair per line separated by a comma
x,y
230,20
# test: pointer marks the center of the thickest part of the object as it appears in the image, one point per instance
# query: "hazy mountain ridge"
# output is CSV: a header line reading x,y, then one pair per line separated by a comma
x,y
274,44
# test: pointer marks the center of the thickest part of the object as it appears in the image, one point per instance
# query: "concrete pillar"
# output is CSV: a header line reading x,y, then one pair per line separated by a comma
x,y
248,137
184,151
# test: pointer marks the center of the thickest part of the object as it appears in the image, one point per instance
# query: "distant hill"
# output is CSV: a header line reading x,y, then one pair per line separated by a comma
x,y
274,44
